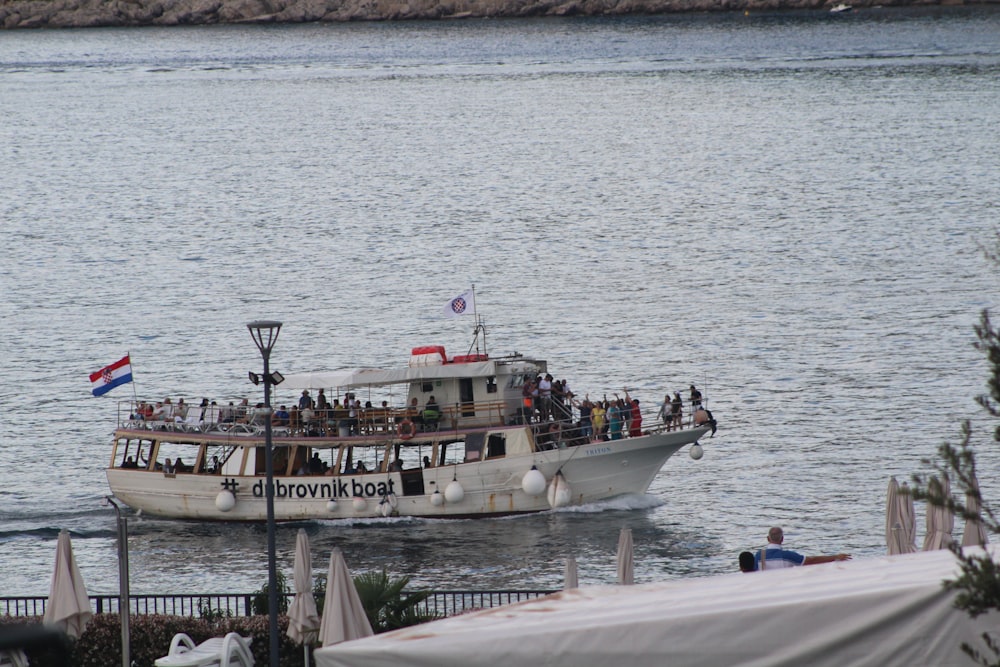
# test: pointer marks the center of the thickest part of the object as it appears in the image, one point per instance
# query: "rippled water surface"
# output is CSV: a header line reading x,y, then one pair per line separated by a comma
x,y
786,210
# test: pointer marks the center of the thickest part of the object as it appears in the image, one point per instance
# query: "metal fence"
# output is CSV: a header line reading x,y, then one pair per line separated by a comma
x,y
439,603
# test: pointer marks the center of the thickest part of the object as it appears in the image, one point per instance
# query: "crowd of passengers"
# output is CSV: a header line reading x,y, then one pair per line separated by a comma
x,y
550,405
310,416
560,419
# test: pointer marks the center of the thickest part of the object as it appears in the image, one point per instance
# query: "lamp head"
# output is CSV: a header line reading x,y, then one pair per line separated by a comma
x,y
264,334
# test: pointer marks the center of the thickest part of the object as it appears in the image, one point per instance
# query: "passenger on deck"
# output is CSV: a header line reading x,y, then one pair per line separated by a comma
x,y
353,406
203,409
180,467
180,410
304,400
242,414
159,414
545,397
130,463
431,415
625,411
396,466
635,423
695,399
561,395
260,417
215,468
597,419
427,462
227,414
167,466
556,436
360,469
321,402
323,409
586,425
315,465
308,419
676,410
294,419
212,414
280,417
380,417
528,391
412,412
665,414
615,421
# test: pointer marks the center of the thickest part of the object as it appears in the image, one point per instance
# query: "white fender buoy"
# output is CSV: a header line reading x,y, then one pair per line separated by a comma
x,y
359,504
454,493
387,505
559,492
696,451
533,482
225,501
331,505
437,498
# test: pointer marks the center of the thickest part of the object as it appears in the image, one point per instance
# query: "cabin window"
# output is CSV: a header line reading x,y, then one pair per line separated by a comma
x,y
496,446
426,387
491,385
474,446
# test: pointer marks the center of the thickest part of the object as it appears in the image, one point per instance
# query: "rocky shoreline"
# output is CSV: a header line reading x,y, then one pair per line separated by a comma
x,y
104,13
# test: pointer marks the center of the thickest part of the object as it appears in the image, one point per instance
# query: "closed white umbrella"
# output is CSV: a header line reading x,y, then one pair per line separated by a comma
x,y
570,579
909,516
625,562
940,521
343,614
974,534
898,520
68,607
303,621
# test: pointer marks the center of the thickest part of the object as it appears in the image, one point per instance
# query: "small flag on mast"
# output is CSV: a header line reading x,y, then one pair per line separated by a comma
x,y
463,304
112,376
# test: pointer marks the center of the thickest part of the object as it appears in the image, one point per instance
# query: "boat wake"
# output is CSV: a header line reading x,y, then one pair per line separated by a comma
x,y
628,502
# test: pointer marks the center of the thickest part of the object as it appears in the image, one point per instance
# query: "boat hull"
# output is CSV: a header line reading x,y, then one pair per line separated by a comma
x,y
491,487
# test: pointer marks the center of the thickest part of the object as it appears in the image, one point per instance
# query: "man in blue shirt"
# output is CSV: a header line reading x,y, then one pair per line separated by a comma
x,y
773,557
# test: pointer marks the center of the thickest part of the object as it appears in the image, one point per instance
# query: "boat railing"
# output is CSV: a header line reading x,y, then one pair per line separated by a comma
x,y
371,422
440,603
368,422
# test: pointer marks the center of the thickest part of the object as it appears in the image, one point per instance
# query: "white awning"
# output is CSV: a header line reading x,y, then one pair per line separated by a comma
x,y
874,612
363,377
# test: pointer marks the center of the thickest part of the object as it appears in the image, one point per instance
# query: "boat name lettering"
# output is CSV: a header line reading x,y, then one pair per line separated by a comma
x,y
335,489
598,450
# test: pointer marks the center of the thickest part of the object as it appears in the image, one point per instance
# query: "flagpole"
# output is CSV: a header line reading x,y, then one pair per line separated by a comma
x,y
135,396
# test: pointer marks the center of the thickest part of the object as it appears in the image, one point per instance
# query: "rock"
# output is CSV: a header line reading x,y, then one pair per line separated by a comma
x,y
87,13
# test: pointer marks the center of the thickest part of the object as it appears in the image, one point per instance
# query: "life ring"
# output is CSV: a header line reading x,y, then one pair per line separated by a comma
x,y
407,429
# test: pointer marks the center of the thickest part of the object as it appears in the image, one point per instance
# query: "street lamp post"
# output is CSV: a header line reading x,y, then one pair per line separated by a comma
x,y
265,334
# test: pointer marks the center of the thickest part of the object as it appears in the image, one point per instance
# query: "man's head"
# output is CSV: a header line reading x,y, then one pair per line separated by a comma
x,y
747,563
775,535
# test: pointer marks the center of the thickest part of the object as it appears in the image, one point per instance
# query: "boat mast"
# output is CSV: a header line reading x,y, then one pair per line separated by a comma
x,y
480,327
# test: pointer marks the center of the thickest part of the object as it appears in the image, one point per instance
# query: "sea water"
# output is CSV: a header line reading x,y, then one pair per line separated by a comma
x,y
788,210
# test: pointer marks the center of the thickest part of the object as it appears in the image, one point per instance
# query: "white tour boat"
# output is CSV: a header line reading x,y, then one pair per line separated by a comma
x,y
481,452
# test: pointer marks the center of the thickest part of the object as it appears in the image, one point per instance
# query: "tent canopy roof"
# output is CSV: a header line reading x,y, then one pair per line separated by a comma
x,y
884,611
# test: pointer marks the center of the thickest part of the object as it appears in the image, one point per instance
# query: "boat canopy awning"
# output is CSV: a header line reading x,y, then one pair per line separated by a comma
x,y
366,377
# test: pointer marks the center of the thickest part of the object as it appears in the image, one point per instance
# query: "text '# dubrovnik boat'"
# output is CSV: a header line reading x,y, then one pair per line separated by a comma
x,y
479,448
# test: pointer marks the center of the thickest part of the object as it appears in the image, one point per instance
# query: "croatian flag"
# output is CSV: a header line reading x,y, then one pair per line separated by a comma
x,y
462,304
112,376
